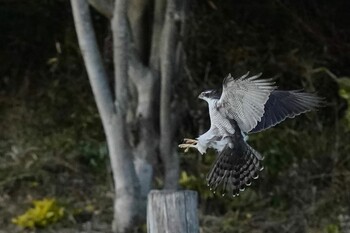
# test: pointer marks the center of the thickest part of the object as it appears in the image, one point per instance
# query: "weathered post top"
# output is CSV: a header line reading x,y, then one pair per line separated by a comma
x,y
172,212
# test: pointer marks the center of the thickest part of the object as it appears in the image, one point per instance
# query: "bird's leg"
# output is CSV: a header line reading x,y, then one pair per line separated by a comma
x,y
188,143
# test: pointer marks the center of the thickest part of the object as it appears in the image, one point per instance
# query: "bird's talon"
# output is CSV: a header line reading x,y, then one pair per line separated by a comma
x,y
188,143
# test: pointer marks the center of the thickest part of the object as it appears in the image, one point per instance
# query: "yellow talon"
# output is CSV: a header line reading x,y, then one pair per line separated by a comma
x,y
188,143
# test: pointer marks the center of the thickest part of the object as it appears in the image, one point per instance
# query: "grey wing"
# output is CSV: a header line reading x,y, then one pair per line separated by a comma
x,y
243,99
286,104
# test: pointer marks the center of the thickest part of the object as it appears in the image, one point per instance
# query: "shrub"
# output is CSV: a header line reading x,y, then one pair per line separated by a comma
x,y
44,212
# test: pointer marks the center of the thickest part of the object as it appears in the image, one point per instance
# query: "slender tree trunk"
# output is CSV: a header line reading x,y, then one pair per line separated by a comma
x,y
167,56
112,114
158,22
139,22
127,186
93,61
145,149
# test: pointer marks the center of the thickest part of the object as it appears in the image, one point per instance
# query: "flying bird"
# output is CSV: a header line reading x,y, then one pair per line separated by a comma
x,y
245,105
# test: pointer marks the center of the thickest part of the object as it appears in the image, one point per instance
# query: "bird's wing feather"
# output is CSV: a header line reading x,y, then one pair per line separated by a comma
x,y
286,104
243,99
235,168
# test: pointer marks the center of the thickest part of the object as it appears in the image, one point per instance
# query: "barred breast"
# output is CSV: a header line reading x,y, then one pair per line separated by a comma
x,y
218,121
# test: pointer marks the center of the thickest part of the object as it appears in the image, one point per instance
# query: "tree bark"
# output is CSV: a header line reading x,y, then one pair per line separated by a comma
x,y
112,114
167,55
147,138
93,61
158,21
146,143
127,184
140,28
105,7
172,211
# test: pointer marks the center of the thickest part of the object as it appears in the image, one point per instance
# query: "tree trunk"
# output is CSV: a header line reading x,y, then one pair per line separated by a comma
x,y
112,115
167,56
132,160
139,22
172,212
127,184
147,138
105,7
126,203
158,21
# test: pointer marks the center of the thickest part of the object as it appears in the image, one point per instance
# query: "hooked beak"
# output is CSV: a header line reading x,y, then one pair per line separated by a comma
x,y
201,95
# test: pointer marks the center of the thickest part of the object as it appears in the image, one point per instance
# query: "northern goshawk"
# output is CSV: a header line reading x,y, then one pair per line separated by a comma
x,y
246,105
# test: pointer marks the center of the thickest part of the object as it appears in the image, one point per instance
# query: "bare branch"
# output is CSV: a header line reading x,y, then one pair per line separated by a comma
x,y
105,7
93,61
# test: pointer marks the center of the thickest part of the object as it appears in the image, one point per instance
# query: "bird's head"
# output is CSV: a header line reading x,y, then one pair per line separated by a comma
x,y
209,95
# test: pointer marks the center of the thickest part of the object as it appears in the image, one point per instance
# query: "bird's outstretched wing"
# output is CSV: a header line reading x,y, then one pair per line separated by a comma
x,y
286,104
243,99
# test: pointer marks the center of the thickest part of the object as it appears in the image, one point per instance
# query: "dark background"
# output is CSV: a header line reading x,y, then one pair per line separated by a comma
x,y
52,143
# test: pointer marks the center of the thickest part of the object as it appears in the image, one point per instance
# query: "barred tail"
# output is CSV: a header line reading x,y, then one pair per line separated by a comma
x,y
235,168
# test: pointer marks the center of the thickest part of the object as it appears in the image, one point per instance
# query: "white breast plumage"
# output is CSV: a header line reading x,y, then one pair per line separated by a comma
x,y
219,121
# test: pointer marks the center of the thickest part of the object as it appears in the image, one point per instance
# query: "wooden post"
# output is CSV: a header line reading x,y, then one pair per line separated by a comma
x,y
172,212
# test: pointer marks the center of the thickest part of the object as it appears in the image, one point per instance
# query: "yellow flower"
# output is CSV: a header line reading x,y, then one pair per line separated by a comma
x,y
43,213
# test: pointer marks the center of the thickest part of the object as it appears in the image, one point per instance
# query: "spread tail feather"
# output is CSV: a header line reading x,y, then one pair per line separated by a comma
x,y
235,168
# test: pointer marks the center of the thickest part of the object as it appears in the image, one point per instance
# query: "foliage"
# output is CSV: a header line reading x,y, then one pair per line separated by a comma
x,y
191,182
95,154
344,92
332,228
44,213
